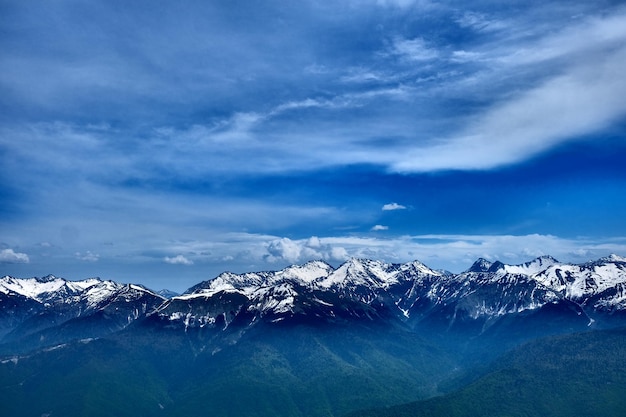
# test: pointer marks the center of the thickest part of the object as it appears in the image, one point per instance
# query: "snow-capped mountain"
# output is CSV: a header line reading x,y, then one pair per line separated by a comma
x,y
306,333
487,296
411,293
32,306
165,293
359,288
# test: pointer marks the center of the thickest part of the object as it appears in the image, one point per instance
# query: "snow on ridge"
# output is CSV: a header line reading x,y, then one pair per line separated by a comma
x,y
580,281
533,267
612,258
420,267
32,287
307,273
50,288
356,272
569,280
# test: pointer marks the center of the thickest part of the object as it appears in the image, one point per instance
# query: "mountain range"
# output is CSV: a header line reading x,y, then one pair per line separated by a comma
x,y
593,294
399,331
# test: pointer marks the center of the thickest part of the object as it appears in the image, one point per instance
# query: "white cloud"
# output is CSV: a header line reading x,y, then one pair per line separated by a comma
x,y
302,250
285,249
585,99
379,227
393,206
479,22
405,4
9,256
339,253
452,252
178,260
579,41
412,49
88,256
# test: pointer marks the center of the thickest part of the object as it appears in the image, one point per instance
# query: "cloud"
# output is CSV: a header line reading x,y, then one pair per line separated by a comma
x,y
283,132
405,4
178,260
479,22
379,227
413,50
9,256
88,256
548,91
452,252
585,99
297,251
393,206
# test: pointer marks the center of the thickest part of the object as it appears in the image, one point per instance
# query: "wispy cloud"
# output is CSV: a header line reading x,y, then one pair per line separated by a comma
x,y
584,99
87,256
178,260
412,50
480,22
583,95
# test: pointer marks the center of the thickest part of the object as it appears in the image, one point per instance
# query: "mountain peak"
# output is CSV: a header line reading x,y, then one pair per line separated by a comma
x,y
47,278
612,258
536,265
547,258
481,265
496,266
165,293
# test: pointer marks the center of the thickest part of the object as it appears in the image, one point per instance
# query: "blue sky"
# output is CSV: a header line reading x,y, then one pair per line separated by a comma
x,y
164,142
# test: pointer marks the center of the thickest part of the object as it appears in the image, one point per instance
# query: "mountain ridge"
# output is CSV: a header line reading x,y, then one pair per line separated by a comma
x,y
408,294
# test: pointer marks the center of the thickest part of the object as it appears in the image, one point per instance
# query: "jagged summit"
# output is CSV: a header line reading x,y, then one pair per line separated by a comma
x,y
612,258
481,265
47,278
534,266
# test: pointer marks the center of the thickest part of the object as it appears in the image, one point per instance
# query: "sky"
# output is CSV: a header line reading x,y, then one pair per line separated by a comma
x,y
164,142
